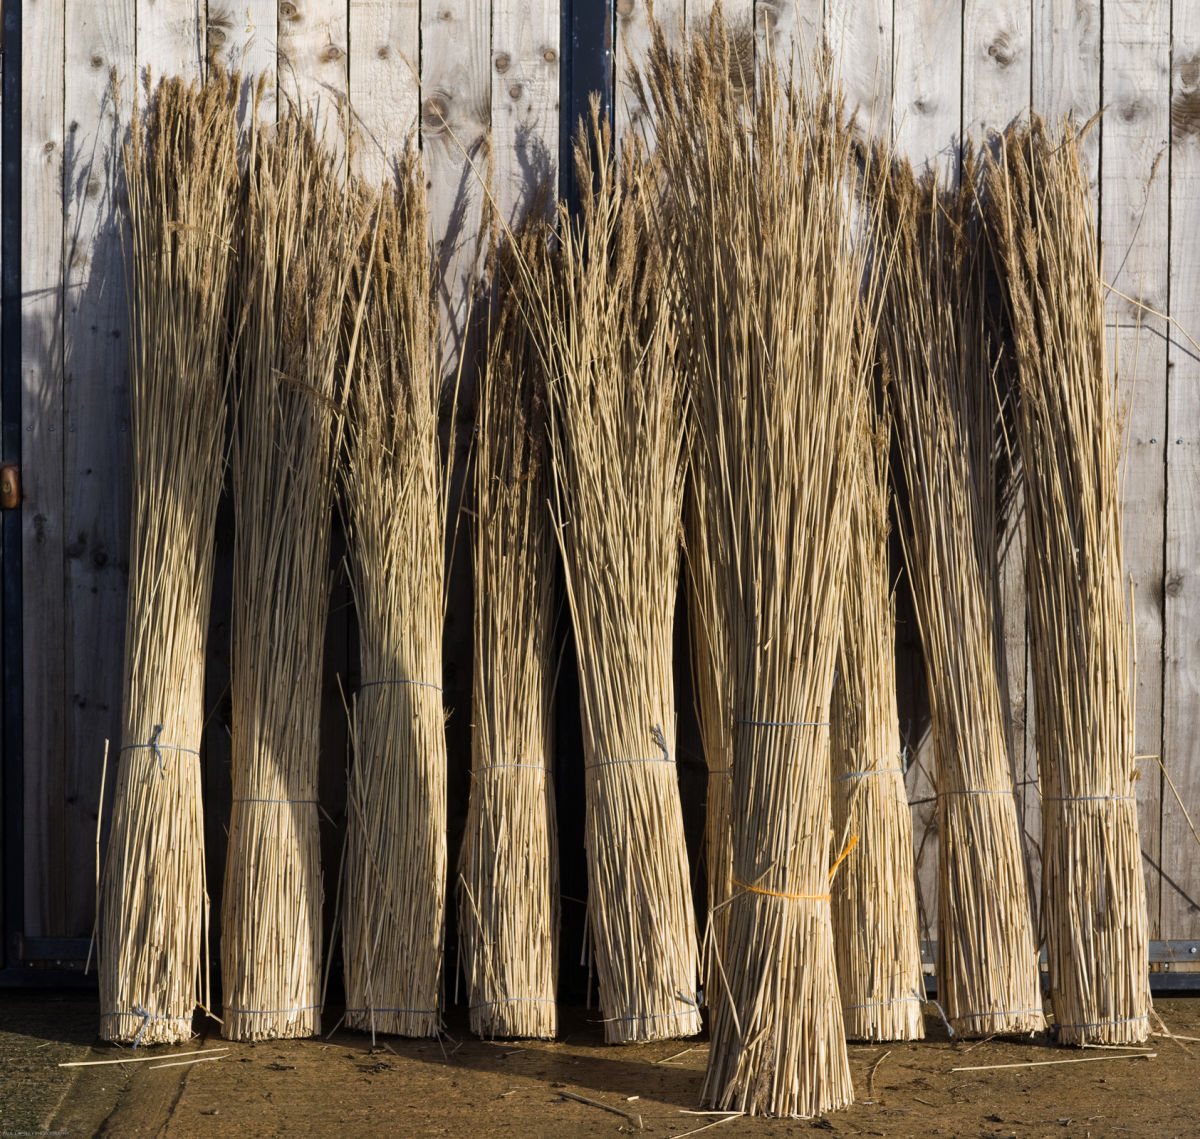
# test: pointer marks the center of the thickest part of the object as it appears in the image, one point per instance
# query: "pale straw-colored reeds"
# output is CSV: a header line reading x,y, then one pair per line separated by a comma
x,y
771,270
508,904
875,927
1093,893
182,176
601,315
937,353
395,499
301,241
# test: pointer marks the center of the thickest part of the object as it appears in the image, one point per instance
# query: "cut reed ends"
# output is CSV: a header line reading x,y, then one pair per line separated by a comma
x,y
875,927
937,353
395,498
508,904
771,272
1081,650
300,244
181,170
601,318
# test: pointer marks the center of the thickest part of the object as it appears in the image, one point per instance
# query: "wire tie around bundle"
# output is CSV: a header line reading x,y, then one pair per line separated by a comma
x,y
515,1001
315,802
147,1017
1089,799
659,738
651,1015
497,766
1106,1023
784,723
159,748
780,893
270,1011
400,680
407,1011
877,1004
869,771
841,857
941,1011
1000,1012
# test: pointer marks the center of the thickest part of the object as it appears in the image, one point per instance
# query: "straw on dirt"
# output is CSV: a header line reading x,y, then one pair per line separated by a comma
x,y
1081,650
771,272
300,244
395,499
508,871
182,177
939,360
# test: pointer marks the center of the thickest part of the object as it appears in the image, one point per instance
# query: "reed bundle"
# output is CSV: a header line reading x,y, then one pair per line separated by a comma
x,y
937,352
395,498
1080,641
182,175
771,272
602,320
508,869
875,925
300,241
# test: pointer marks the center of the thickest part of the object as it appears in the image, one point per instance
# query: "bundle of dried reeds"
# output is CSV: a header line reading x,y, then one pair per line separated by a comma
x,y
300,244
936,349
601,318
508,871
771,272
1079,627
875,925
395,499
182,176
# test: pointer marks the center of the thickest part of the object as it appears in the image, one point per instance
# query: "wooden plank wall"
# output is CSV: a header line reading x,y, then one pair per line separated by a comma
x,y
921,73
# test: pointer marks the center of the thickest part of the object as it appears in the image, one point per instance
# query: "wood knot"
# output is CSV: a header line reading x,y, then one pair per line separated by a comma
x,y
549,55
445,14
383,51
49,147
96,61
1132,111
503,62
435,113
216,37
331,53
288,10
625,8
1000,49
923,106
1174,585
767,16
515,91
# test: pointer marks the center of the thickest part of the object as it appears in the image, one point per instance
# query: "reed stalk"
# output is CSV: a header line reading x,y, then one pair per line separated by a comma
x,y
181,170
875,925
771,272
602,319
395,499
943,396
301,241
1094,899
508,900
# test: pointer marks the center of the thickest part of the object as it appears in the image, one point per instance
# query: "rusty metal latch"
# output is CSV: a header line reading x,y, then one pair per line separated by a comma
x,y
10,486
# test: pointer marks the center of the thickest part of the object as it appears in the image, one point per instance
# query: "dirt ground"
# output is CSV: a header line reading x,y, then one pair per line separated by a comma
x,y
340,1085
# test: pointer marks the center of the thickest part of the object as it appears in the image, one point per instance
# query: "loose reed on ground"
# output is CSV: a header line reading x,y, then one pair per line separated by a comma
x,y
602,320
1081,650
876,932
181,171
938,357
771,272
508,870
301,240
395,499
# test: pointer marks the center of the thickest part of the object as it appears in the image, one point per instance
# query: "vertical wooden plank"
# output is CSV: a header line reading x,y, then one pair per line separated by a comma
x,y
859,36
385,66
1181,679
1066,69
244,36
311,61
525,103
171,39
928,94
44,631
455,118
1134,212
792,29
632,42
99,88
